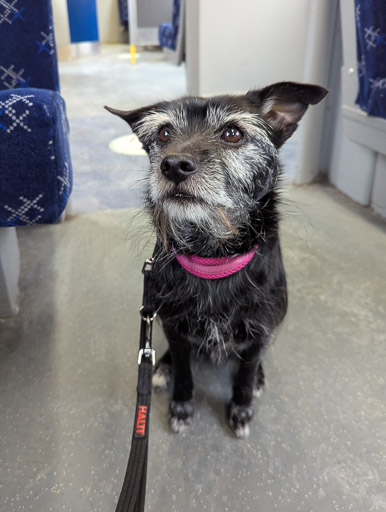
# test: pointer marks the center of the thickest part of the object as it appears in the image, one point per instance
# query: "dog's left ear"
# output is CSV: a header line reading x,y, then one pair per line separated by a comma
x,y
283,104
134,118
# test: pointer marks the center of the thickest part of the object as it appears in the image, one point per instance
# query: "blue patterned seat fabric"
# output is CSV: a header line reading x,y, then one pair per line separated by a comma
x,y
27,45
370,20
35,163
168,32
35,158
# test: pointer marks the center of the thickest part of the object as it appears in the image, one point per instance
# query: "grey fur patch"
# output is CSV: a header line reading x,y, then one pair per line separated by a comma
x,y
155,119
239,417
257,392
218,341
161,378
181,415
179,425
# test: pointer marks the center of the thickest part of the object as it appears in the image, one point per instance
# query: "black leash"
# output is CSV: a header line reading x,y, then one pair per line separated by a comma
x,y
132,497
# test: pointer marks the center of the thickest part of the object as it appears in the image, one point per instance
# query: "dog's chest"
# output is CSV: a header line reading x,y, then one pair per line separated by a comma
x,y
219,318
213,322
216,337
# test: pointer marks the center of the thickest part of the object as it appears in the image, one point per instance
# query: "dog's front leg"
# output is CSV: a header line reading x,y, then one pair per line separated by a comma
x,y
248,381
181,407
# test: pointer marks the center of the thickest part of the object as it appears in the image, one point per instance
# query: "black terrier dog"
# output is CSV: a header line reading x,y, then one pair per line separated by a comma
x,y
212,195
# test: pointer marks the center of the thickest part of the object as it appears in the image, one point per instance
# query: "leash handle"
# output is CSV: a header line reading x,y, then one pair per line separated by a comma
x,y
132,496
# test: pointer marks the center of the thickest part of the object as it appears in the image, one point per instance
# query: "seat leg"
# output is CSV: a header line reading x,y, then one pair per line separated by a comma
x,y
67,211
9,272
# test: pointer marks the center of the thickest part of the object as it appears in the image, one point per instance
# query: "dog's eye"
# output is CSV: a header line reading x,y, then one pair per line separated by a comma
x,y
232,134
164,134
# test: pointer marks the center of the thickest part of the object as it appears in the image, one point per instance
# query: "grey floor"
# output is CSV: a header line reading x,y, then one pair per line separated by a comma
x,y
68,360
68,376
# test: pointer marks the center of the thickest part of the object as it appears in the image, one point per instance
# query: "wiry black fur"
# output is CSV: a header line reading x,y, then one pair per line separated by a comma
x,y
233,316
247,306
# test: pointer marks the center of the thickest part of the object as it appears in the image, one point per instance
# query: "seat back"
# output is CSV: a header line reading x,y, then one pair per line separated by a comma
x,y
27,45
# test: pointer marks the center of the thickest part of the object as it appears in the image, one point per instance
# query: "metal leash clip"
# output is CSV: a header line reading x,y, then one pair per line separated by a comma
x,y
148,261
147,351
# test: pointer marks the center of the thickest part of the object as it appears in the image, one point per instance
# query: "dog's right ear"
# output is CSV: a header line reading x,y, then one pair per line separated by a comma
x,y
135,119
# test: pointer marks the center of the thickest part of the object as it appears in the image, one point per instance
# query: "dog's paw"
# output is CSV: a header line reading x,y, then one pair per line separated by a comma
x,y
258,389
239,418
161,377
181,415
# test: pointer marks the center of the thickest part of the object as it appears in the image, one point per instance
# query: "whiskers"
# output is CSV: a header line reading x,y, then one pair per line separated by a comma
x,y
140,234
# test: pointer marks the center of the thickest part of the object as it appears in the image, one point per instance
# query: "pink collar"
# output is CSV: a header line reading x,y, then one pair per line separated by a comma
x,y
214,268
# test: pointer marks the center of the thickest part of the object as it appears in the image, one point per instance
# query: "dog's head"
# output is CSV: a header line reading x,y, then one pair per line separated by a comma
x,y
214,161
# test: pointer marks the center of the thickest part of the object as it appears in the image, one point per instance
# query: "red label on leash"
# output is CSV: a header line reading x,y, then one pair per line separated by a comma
x,y
140,424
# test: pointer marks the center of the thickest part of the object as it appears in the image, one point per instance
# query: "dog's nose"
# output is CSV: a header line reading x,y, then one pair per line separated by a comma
x,y
177,168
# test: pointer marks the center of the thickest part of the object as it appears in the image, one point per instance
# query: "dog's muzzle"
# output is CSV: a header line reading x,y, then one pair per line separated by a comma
x,y
177,168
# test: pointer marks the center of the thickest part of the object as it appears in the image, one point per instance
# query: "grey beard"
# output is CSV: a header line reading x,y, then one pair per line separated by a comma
x,y
213,233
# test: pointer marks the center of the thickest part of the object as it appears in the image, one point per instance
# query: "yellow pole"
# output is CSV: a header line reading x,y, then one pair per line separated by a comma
x,y
132,53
